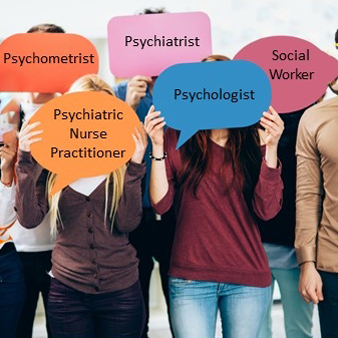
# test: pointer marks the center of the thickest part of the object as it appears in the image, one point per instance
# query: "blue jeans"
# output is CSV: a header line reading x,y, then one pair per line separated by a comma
x,y
297,312
12,293
194,306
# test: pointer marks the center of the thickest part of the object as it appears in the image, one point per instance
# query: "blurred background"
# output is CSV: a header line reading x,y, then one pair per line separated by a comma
x,y
234,23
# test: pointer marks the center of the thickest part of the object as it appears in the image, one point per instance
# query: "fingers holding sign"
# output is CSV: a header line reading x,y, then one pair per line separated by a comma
x,y
273,125
7,156
136,90
141,141
154,125
27,136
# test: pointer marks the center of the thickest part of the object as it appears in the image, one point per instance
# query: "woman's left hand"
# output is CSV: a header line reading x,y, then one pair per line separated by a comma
x,y
273,125
141,140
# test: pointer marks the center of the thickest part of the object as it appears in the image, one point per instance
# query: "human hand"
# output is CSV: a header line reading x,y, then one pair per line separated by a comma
x,y
136,90
310,283
7,156
27,136
273,125
154,124
141,140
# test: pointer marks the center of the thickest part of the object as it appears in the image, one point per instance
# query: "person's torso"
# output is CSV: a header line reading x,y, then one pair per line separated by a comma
x,y
141,111
87,253
326,137
215,230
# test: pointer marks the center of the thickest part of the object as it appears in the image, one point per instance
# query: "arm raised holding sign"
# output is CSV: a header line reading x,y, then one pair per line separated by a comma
x,y
217,181
274,126
158,179
27,136
90,218
141,141
136,90
7,157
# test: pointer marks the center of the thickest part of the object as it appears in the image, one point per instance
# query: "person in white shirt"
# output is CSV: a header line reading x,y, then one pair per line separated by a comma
x,y
34,245
12,286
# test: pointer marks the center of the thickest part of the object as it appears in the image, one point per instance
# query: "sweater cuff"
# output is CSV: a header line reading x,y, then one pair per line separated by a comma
x,y
273,175
162,206
306,254
136,169
25,157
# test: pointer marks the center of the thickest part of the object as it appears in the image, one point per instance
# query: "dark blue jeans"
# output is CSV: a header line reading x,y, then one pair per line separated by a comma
x,y
36,266
12,292
74,314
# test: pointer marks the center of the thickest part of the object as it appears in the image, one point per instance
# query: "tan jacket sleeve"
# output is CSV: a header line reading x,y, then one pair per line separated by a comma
x,y
309,193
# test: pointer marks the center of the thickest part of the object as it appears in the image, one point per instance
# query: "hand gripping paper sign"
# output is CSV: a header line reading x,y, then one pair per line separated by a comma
x,y
7,129
148,44
85,134
9,119
211,95
45,63
299,71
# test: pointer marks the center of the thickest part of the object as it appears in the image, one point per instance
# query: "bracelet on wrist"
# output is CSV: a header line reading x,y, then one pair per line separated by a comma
x,y
158,158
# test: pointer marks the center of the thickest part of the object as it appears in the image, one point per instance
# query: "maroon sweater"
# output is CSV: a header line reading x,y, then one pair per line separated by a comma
x,y
216,237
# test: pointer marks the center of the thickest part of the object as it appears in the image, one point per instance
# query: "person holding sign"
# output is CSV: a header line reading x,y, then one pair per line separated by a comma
x,y
154,237
94,290
217,181
12,285
34,246
278,237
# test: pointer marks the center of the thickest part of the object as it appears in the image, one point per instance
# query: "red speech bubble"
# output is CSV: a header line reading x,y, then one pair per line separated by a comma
x,y
148,44
299,71
46,62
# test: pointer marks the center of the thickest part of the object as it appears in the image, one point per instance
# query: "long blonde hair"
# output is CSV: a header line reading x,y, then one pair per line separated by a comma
x,y
89,83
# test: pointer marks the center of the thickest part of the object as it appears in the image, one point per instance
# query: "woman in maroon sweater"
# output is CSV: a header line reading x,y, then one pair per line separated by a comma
x,y
94,290
217,181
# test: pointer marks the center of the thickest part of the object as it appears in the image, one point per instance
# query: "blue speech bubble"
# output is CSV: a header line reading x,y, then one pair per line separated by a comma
x,y
211,95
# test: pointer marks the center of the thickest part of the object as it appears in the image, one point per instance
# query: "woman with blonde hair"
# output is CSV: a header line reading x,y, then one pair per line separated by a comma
x,y
94,290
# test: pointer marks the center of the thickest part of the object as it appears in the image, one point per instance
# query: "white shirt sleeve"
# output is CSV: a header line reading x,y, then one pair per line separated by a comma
x,y
7,200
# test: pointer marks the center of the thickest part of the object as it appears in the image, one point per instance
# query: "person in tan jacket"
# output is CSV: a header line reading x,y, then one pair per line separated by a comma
x,y
317,211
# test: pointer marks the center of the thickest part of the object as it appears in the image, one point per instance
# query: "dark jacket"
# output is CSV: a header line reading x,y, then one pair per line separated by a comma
x,y
281,229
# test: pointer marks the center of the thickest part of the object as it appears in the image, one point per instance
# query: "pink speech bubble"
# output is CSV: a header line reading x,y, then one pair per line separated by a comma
x,y
140,44
299,71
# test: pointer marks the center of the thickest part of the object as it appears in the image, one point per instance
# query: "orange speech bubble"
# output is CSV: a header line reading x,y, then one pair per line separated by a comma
x,y
85,134
45,62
